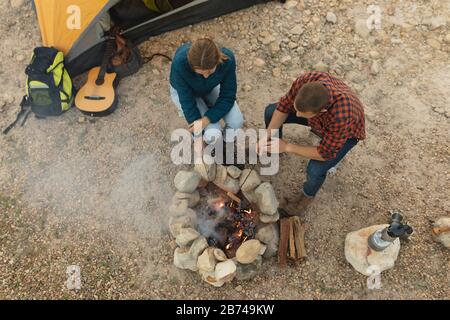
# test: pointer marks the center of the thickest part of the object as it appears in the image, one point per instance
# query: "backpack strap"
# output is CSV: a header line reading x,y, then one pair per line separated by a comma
x,y
24,107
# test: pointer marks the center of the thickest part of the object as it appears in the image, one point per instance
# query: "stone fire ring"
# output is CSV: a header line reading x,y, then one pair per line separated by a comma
x,y
193,252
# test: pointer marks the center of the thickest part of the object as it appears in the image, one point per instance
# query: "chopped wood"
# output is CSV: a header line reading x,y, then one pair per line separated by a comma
x,y
233,197
299,232
291,240
284,241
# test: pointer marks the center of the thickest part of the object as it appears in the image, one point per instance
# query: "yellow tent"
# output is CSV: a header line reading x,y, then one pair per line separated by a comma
x,y
78,27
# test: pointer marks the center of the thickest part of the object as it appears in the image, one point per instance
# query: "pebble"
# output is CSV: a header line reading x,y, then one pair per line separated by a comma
x,y
276,72
374,69
361,28
81,119
331,17
286,60
17,3
434,43
259,62
321,66
297,30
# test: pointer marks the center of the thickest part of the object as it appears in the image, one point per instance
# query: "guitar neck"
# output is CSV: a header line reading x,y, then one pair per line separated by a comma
x,y
108,52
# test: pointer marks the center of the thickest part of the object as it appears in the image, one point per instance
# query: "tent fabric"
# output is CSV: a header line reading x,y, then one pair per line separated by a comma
x,y
62,22
84,46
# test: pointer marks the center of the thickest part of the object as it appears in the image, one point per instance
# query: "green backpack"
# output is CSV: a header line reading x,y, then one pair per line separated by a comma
x,y
49,87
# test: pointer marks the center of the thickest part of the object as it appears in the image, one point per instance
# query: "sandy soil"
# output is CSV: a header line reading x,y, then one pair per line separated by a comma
x,y
95,194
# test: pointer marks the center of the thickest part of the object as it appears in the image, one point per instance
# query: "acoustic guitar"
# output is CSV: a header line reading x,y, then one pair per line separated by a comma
x,y
97,97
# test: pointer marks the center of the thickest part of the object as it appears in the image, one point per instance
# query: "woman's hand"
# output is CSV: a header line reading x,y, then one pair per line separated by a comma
x,y
197,126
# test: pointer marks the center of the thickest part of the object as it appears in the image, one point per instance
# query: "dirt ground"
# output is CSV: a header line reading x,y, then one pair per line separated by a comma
x,y
95,194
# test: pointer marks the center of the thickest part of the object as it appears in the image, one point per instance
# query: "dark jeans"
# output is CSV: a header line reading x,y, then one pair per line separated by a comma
x,y
316,171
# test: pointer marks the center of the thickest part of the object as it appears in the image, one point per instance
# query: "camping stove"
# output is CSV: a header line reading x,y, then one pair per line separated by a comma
x,y
382,239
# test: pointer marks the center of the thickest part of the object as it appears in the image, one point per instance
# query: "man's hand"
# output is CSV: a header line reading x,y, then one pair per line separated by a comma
x,y
197,126
274,145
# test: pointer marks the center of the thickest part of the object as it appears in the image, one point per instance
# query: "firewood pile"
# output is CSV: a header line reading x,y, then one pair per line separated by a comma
x,y
292,240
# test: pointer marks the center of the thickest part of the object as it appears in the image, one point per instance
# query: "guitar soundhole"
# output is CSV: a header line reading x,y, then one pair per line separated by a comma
x,y
94,98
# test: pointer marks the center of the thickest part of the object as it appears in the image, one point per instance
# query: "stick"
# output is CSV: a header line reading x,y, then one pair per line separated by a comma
x,y
234,197
299,238
284,238
291,239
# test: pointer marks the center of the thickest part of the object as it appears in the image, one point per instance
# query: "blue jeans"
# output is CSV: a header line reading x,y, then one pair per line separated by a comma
x,y
316,171
234,119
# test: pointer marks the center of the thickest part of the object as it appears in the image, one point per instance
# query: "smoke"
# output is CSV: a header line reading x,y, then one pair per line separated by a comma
x,y
132,200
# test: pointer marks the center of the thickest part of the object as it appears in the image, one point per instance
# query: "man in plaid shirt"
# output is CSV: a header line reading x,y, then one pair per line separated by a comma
x,y
333,111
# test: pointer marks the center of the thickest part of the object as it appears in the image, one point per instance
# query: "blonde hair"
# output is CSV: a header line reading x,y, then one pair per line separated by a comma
x,y
204,54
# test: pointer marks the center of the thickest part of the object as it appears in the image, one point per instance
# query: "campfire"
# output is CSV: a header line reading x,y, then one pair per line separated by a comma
x,y
224,222
236,224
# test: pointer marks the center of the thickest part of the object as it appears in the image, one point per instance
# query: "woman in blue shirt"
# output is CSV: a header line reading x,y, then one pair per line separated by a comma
x,y
203,86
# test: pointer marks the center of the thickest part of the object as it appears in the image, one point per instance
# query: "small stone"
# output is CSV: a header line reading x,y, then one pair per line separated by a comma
x,y
81,119
220,255
276,72
229,185
17,3
189,220
156,72
271,250
267,200
274,47
221,174
238,288
374,54
331,17
198,246
265,218
374,69
186,237
183,259
178,206
297,30
234,172
206,261
248,251
292,45
247,88
390,10
225,271
250,196
249,180
447,38
286,60
267,233
361,28
210,277
360,256
259,62
187,181
290,4
320,66
434,43
248,271
20,58
207,169
192,198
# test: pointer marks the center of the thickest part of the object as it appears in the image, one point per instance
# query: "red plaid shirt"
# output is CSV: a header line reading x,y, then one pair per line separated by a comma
x,y
343,120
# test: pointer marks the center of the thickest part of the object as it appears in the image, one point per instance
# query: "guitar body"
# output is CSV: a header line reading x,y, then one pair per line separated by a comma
x,y
93,98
